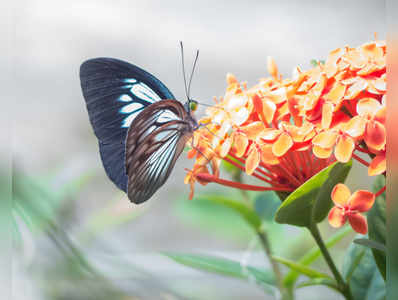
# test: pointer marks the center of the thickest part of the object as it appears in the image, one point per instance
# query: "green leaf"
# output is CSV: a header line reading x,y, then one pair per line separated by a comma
x,y
319,281
311,201
313,254
362,274
377,225
371,244
309,272
223,266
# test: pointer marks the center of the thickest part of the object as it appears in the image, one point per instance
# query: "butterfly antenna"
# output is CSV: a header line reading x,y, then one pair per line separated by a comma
x,y
193,70
183,70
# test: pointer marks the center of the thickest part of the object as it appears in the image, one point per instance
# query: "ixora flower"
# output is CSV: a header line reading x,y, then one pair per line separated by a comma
x,y
284,131
349,207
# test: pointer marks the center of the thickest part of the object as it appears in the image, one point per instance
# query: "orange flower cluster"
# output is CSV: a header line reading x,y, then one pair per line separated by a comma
x,y
283,131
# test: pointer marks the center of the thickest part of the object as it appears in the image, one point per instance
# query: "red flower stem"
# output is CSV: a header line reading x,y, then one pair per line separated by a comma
x,y
248,187
283,170
303,164
296,159
268,168
365,163
269,175
310,161
243,169
381,191
359,148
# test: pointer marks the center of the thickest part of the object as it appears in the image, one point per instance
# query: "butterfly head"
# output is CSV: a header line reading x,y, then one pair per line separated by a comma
x,y
191,105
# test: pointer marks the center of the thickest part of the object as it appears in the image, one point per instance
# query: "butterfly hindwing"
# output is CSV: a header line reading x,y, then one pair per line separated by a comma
x,y
155,140
115,93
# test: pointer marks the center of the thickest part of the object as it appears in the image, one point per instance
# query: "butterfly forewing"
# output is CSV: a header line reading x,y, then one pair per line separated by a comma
x,y
155,139
115,93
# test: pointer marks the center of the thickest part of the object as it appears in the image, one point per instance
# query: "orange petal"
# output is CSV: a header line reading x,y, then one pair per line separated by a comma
x,y
191,153
368,106
344,148
356,88
356,59
340,195
378,165
253,159
327,114
358,223
299,134
380,85
253,130
272,68
282,144
240,116
278,95
225,147
381,115
355,127
325,139
270,134
267,156
375,136
336,217
269,109
240,144
362,200
322,152
330,65
231,79
337,93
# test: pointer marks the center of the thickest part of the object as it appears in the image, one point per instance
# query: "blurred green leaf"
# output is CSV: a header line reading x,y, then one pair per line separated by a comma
x,y
313,254
118,212
319,281
371,244
37,202
377,225
266,204
311,201
242,209
362,274
223,266
307,271
208,212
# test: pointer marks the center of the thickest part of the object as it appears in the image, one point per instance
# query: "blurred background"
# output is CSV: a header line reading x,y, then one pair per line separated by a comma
x,y
75,235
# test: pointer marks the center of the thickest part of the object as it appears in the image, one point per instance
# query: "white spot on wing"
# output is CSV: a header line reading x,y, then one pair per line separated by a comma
x,y
125,98
129,108
142,91
130,80
167,116
127,121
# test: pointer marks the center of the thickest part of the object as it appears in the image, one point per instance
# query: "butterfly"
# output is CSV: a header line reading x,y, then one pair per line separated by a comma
x,y
141,128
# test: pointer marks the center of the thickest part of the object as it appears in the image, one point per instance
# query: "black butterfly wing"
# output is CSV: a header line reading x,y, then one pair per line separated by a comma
x,y
155,140
115,93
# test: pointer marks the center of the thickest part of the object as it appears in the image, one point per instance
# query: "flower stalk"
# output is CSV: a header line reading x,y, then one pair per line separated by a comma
x,y
343,286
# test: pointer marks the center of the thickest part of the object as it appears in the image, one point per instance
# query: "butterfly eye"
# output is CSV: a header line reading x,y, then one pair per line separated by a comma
x,y
193,105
